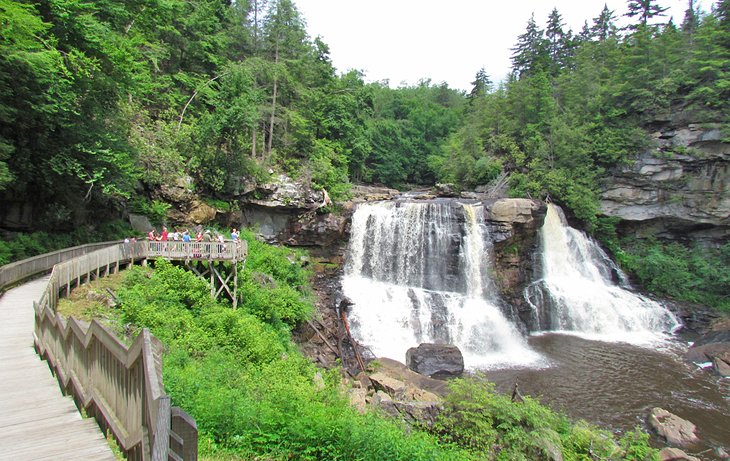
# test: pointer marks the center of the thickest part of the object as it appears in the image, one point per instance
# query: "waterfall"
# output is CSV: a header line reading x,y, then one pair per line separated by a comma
x,y
419,272
577,293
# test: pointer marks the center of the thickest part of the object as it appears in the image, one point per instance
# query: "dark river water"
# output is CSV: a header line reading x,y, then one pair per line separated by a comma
x,y
615,385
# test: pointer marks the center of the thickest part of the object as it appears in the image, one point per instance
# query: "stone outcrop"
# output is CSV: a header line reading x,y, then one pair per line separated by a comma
x,y
675,430
372,193
436,360
403,394
514,225
187,208
678,190
287,212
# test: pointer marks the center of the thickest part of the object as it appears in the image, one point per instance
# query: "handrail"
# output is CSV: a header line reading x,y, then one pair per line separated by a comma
x,y
226,251
119,385
15,272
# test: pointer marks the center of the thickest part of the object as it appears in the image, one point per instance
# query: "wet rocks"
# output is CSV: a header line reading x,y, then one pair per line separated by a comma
x,y
513,225
435,360
675,454
714,346
675,430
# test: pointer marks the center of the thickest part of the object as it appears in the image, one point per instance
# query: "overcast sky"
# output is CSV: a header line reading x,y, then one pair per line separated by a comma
x,y
446,40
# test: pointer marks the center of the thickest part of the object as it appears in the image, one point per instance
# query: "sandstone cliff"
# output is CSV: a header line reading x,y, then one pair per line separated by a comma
x,y
679,190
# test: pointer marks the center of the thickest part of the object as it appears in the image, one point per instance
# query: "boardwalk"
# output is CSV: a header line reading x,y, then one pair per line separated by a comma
x,y
36,421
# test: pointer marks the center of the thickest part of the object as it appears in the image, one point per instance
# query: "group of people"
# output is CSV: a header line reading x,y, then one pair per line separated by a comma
x,y
185,236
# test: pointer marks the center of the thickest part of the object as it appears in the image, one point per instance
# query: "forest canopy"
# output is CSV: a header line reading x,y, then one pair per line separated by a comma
x,y
103,101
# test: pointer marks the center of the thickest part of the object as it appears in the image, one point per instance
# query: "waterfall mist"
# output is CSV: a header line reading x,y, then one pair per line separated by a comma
x,y
419,272
583,292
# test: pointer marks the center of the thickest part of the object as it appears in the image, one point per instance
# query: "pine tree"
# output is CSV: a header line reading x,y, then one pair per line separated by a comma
x,y
645,10
555,35
604,25
530,53
481,85
691,19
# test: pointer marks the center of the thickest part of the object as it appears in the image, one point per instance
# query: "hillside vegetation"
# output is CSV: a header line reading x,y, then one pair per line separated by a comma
x,y
254,396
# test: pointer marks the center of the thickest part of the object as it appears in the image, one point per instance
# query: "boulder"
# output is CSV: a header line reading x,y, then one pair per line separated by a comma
x,y
284,193
721,363
358,399
705,352
382,401
387,384
675,454
445,190
675,430
435,360
140,223
200,212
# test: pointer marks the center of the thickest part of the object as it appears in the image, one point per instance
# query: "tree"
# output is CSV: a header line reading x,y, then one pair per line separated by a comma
x,y
691,19
480,86
604,25
645,10
530,53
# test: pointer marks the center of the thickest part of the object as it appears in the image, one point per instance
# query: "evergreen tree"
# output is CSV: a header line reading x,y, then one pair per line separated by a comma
x,y
480,86
645,10
604,25
691,19
530,53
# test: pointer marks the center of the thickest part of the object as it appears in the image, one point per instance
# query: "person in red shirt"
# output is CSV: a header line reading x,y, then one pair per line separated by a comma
x,y
163,236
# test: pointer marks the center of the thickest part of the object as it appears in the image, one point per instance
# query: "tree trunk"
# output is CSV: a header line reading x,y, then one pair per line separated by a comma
x,y
273,100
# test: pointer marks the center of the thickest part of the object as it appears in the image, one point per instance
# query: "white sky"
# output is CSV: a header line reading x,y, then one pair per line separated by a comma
x,y
446,40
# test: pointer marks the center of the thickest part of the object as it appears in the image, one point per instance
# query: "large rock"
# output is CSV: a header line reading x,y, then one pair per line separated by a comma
x,y
514,226
289,212
675,454
372,193
436,360
286,194
404,394
678,190
675,430
714,347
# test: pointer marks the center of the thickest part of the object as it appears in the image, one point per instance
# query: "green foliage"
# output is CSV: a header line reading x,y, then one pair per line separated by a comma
x,y
483,421
694,274
23,246
274,284
155,210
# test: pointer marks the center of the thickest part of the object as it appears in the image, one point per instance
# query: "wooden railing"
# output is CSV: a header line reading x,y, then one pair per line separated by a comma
x,y
18,271
120,386
227,251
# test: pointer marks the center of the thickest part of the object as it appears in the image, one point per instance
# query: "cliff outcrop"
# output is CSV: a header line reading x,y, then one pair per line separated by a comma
x,y
679,190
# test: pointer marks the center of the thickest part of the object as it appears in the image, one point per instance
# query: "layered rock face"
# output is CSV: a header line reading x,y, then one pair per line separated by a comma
x,y
514,225
678,191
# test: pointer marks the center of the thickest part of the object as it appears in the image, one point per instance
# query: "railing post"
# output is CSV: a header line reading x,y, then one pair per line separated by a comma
x,y
161,443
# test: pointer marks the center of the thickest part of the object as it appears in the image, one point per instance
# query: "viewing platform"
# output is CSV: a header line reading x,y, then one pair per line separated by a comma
x,y
187,251
205,259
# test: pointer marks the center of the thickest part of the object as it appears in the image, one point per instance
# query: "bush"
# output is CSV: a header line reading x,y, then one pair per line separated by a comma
x,y
694,274
483,421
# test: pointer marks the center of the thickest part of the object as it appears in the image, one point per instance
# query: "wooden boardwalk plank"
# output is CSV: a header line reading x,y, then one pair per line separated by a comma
x,y
37,422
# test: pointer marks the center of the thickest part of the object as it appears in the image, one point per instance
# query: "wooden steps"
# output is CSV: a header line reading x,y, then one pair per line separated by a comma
x,y
36,421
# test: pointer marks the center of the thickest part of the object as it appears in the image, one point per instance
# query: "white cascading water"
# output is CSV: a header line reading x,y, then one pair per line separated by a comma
x,y
577,293
417,273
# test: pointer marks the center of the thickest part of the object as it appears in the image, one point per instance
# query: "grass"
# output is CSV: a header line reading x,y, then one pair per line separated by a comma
x,y
91,301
